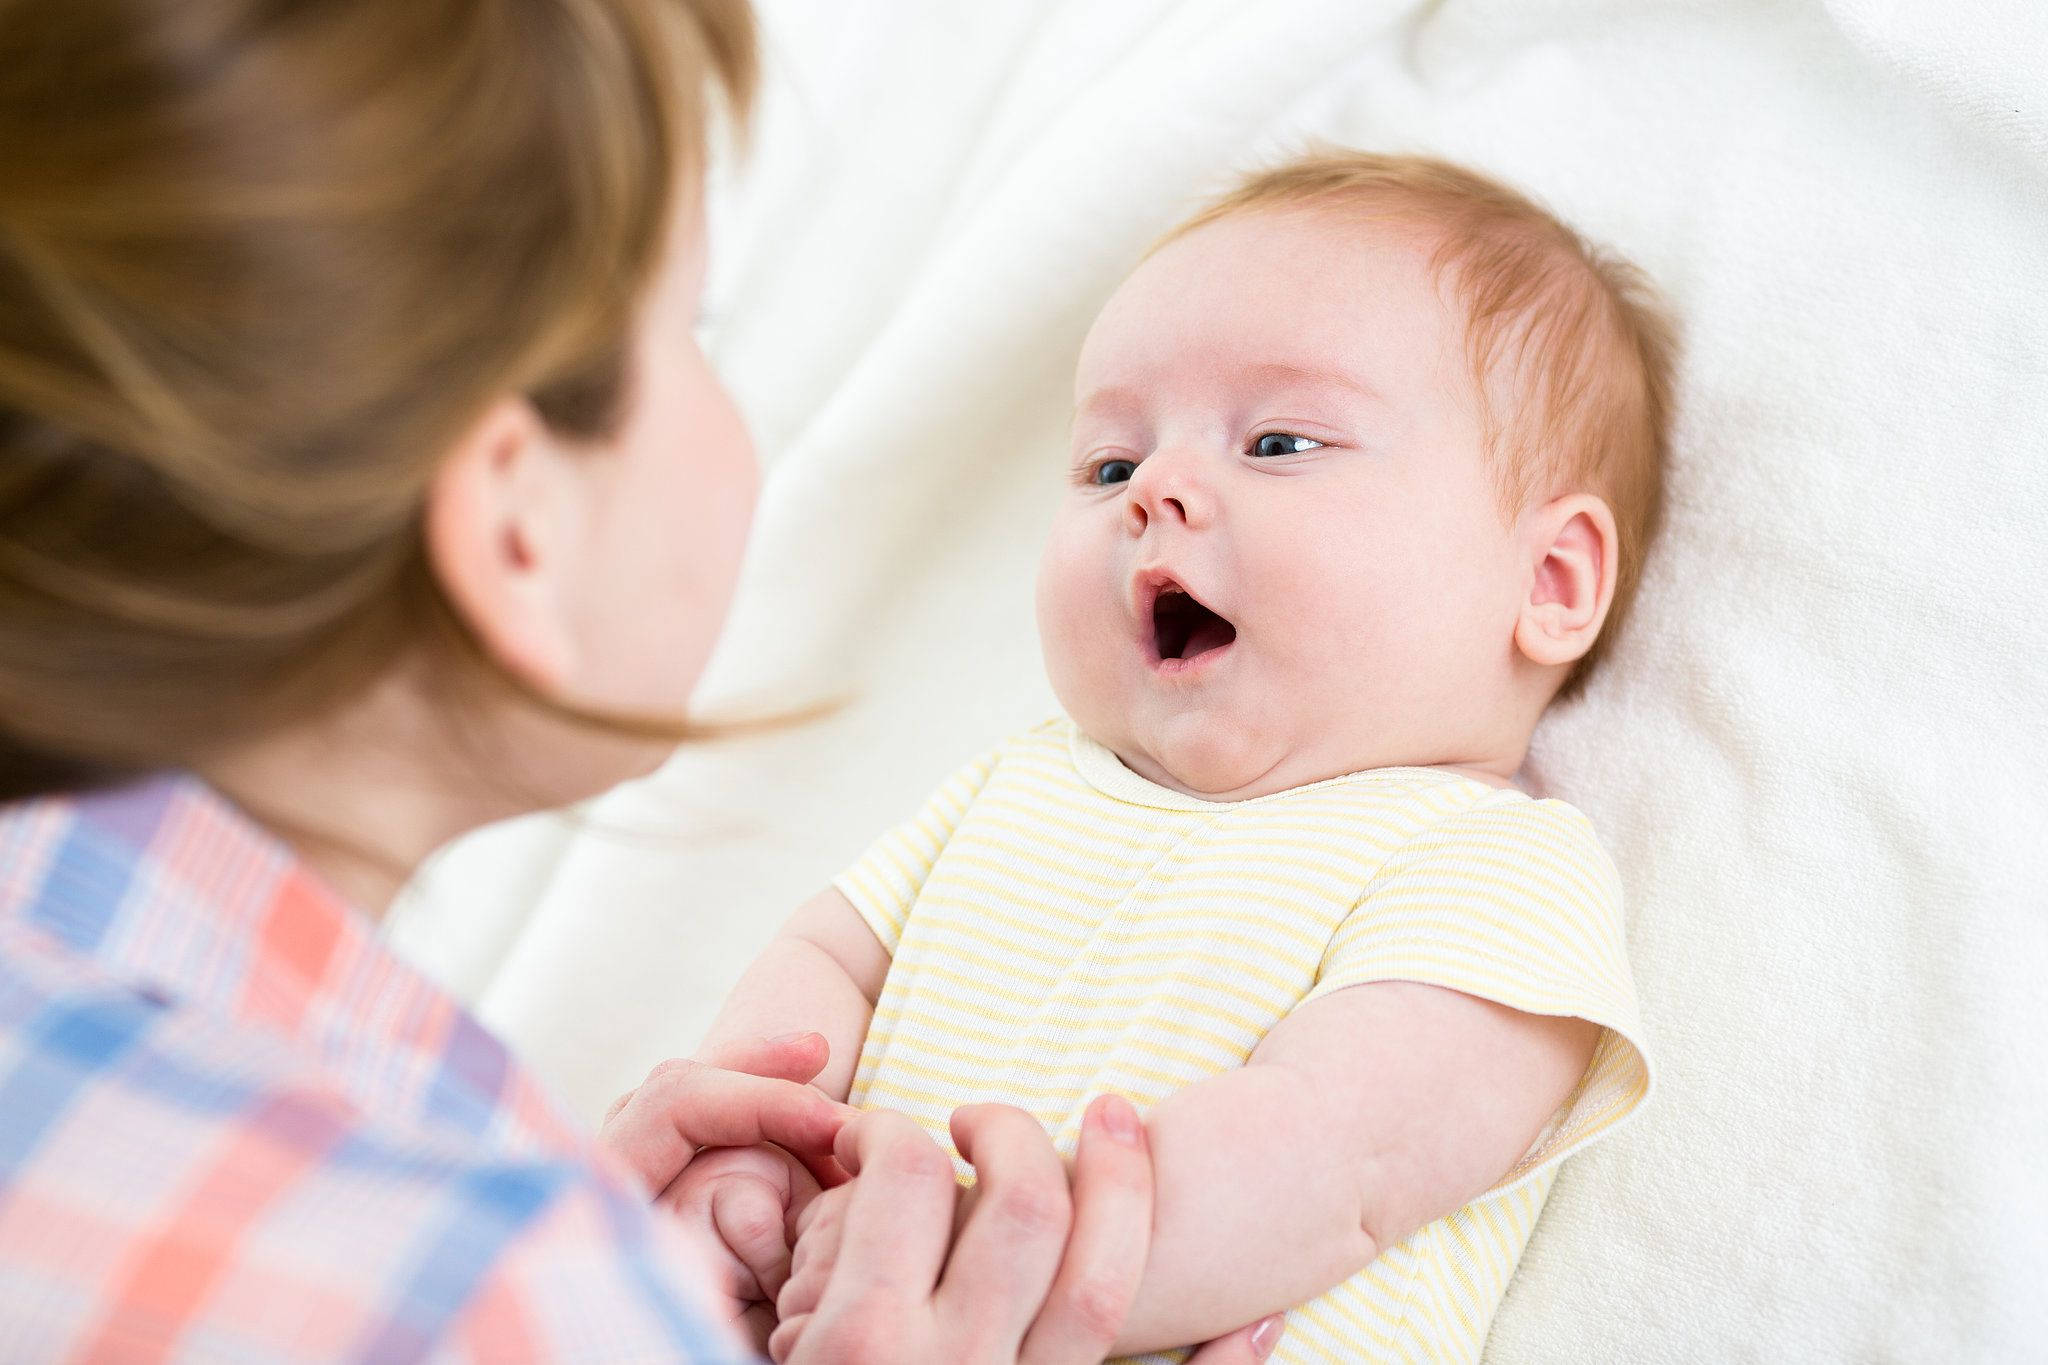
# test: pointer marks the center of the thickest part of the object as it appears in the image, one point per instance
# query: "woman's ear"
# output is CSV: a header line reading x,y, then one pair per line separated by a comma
x,y
497,524
1572,547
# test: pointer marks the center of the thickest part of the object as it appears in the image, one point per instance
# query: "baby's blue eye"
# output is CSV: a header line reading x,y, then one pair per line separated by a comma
x,y
1280,443
1115,471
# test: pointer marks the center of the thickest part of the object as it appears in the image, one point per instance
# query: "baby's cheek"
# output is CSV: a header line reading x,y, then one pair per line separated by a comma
x,y
1072,631
1064,567
1329,600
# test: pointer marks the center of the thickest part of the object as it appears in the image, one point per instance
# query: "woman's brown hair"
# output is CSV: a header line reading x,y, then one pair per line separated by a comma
x,y
262,262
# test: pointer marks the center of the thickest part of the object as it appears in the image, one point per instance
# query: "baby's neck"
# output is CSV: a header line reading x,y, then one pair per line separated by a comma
x,y
1275,782
1491,779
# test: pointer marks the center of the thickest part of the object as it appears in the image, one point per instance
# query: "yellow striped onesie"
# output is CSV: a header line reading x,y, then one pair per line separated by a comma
x,y
1060,927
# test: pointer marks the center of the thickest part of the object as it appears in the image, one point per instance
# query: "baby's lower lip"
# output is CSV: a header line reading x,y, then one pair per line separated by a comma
x,y
1190,667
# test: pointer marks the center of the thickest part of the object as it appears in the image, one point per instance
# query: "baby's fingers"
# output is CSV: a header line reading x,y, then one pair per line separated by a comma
x,y
810,1272
757,1326
750,1220
817,1250
782,1342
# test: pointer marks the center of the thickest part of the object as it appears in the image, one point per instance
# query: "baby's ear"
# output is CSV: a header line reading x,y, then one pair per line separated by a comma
x,y
1571,546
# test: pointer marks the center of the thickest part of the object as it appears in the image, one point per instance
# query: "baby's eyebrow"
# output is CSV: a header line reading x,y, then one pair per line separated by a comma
x,y
1121,400
1115,399
1284,372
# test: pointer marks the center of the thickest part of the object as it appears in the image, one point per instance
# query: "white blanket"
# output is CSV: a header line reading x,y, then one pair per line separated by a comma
x,y
1819,758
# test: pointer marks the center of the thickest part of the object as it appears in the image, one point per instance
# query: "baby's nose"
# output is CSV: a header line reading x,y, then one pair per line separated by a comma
x,y
1141,511
1167,488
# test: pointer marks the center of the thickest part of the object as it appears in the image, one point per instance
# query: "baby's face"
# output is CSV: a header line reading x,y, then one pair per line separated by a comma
x,y
1282,557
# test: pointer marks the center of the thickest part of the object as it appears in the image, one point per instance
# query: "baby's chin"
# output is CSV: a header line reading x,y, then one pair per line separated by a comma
x,y
1203,757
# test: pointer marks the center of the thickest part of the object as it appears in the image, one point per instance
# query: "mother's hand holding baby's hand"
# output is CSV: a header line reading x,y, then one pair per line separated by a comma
x,y
735,1095
1035,1275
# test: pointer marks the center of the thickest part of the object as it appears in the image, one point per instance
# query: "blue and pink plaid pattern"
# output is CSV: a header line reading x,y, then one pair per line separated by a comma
x,y
233,1126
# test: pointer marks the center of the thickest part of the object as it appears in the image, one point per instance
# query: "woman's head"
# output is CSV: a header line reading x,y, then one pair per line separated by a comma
x,y
338,334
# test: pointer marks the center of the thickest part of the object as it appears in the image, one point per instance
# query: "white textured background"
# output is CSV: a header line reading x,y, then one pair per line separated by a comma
x,y
1820,758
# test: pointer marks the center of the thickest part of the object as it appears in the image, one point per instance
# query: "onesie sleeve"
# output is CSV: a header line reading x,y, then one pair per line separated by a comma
x,y
884,883
1511,900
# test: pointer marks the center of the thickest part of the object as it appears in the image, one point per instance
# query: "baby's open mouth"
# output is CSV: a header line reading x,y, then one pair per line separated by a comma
x,y
1183,628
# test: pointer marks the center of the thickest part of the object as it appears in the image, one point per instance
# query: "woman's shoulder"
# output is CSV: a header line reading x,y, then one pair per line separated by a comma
x,y
103,871
179,1144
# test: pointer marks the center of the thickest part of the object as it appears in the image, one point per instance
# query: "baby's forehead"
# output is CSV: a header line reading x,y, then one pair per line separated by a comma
x,y
1305,293
1325,245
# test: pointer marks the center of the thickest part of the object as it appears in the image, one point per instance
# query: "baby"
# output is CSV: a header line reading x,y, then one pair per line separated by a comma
x,y
1365,458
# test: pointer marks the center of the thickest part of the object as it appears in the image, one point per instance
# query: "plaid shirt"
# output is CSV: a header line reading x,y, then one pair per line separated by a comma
x,y
233,1126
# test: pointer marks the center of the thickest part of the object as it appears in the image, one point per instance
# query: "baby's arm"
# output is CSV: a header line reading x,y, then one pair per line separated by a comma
x,y
1361,1117
820,974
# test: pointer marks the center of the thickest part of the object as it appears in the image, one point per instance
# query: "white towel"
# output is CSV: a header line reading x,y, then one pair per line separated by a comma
x,y
1819,757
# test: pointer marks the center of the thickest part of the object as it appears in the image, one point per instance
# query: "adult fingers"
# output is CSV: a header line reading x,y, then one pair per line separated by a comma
x,y
1245,1346
748,1215
1112,1235
790,1057
1006,1255
684,1106
898,1218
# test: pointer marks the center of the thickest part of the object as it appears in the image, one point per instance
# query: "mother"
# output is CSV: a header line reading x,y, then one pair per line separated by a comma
x,y
361,481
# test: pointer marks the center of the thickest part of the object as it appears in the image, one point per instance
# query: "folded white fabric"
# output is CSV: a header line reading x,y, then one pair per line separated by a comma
x,y
1819,756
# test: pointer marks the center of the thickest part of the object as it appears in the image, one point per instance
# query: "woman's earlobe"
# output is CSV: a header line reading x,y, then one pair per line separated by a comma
x,y
1573,544
488,527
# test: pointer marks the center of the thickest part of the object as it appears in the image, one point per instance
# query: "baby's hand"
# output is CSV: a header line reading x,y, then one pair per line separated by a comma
x,y
817,1229
743,1204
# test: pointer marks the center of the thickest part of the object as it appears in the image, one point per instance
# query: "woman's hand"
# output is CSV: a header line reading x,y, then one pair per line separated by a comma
x,y
736,1095
1036,1276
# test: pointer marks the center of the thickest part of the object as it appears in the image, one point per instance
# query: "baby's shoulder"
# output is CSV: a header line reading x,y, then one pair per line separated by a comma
x,y
1435,811
1505,837
1511,814
1047,744
1054,732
